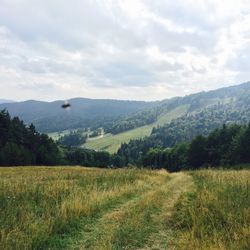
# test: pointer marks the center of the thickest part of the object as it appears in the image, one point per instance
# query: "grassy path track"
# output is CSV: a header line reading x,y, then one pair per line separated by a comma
x,y
139,223
111,209
163,237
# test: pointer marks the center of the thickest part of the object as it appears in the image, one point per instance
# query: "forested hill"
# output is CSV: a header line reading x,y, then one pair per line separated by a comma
x,y
22,145
116,116
233,107
49,116
235,95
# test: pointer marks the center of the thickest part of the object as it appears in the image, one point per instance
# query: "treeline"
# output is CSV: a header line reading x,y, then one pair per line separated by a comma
x,y
113,125
73,139
227,146
91,158
84,113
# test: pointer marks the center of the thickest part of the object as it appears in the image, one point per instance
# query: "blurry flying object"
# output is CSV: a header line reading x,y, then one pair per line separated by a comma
x,y
66,105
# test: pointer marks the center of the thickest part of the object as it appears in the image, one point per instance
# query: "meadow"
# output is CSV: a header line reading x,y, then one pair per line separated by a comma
x,y
111,143
57,135
91,208
216,215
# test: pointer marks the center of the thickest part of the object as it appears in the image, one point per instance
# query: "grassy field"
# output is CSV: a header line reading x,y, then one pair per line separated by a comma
x,y
111,143
90,208
56,135
217,214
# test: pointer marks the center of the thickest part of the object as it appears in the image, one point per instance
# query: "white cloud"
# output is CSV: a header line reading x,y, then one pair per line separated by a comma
x,y
131,49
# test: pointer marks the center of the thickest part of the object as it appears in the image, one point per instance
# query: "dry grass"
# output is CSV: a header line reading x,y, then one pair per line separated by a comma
x,y
217,215
91,208
44,207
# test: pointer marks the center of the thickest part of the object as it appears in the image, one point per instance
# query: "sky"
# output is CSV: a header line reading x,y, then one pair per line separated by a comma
x,y
121,49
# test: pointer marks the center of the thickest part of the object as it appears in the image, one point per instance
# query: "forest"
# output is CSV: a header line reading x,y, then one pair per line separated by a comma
x,y
74,138
85,113
185,128
130,122
23,145
227,146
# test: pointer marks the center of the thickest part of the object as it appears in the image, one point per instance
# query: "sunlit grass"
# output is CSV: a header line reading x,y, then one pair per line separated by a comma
x,y
41,207
91,208
217,215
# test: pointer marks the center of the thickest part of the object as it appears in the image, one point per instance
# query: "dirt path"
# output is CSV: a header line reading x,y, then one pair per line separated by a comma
x,y
139,223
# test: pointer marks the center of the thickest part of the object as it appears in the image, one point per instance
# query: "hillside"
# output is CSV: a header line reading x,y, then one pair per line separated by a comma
x,y
182,118
6,101
50,117
123,121
233,108
111,142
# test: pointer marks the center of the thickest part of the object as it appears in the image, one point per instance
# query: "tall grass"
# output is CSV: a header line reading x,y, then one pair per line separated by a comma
x,y
43,207
217,214
90,208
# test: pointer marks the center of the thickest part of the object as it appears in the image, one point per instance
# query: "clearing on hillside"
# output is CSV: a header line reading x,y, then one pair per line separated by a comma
x,y
111,143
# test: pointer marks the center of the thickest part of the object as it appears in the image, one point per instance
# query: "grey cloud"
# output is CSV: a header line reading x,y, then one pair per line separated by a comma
x,y
38,86
240,62
189,14
100,45
44,66
166,67
126,73
176,41
66,24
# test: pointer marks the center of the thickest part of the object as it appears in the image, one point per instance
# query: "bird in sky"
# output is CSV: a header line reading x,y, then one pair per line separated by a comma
x,y
66,105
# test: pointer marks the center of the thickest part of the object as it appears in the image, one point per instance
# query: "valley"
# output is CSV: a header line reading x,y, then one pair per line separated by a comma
x,y
123,121
124,125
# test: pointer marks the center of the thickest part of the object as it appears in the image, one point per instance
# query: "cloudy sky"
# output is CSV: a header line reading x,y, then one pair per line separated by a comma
x,y
121,49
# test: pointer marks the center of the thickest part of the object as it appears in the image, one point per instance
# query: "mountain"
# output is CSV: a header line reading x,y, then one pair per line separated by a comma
x,y
6,101
207,111
177,119
165,122
49,116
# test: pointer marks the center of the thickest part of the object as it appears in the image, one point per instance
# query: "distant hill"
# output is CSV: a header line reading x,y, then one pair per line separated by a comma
x,y
6,101
177,119
50,117
207,111
125,120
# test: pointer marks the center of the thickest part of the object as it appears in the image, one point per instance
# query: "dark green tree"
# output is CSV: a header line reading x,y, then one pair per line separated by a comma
x,y
197,154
